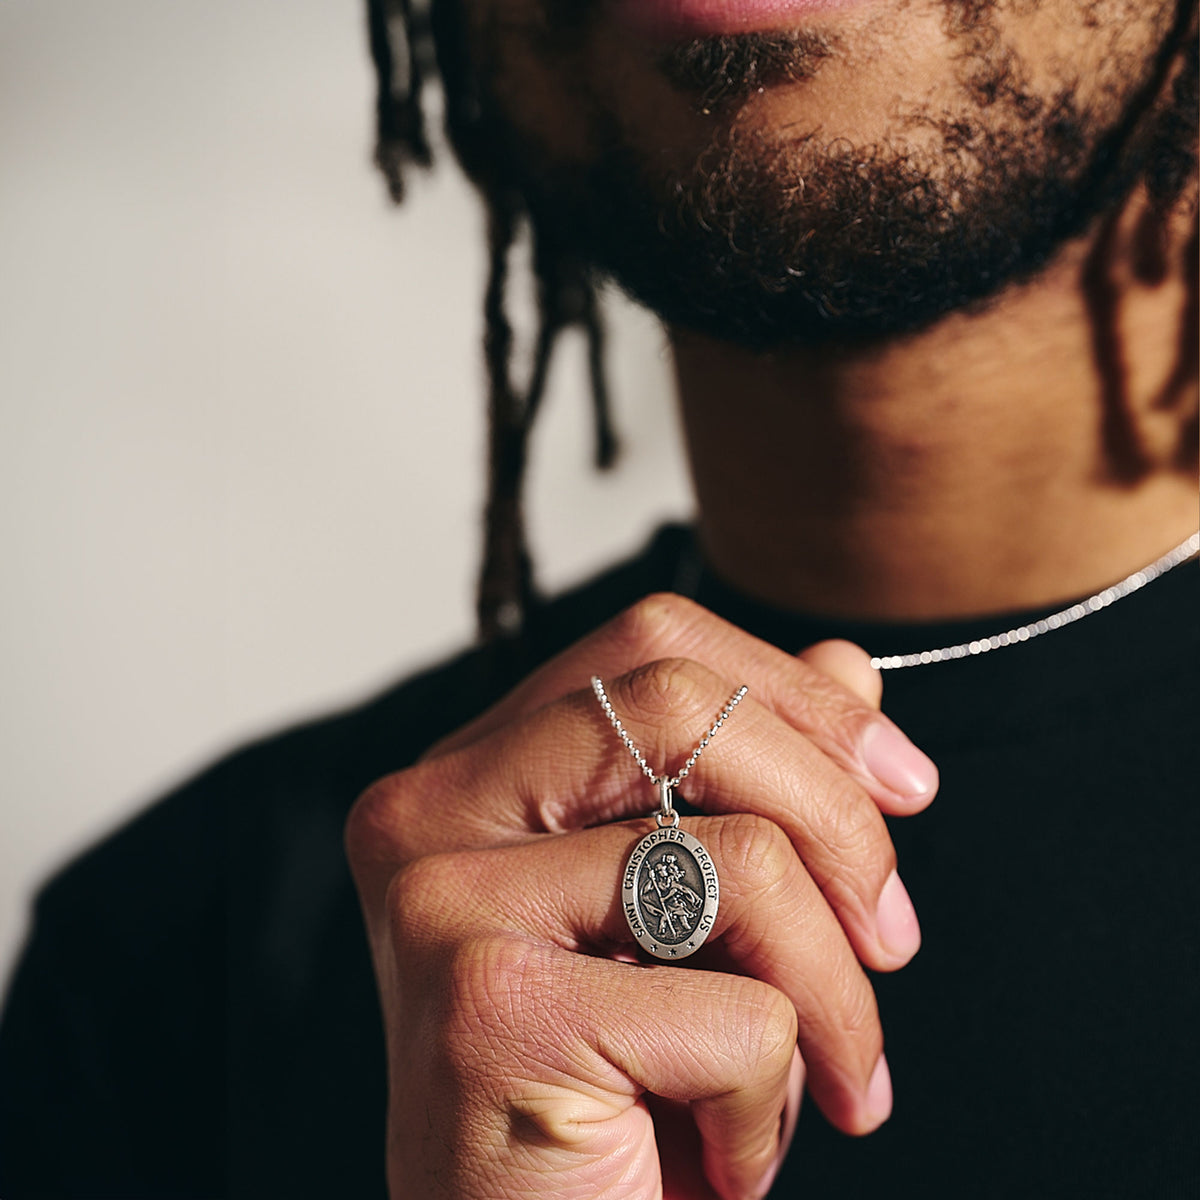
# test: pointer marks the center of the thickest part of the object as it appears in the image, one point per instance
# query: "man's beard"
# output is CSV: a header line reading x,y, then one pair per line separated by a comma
x,y
811,241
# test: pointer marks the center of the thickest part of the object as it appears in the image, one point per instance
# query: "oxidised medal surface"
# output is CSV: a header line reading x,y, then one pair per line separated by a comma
x,y
669,893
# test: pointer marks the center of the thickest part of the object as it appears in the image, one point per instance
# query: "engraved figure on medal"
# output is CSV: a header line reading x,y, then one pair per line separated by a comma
x,y
664,893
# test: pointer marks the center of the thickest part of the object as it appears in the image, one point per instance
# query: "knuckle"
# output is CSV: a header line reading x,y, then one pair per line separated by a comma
x,y
860,852
756,851
651,623
490,983
365,831
827,708
858,1017
378,825
777,1029
420,897
373,821
505,1034
766,1019
844,1013
846,1006
669,687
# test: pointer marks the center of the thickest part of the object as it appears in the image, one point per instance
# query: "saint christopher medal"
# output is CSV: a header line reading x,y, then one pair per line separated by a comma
x,y
669,888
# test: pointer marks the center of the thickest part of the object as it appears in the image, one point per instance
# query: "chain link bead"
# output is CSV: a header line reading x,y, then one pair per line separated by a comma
x,y
672,781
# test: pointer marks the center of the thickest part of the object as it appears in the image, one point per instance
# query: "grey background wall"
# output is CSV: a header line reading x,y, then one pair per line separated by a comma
x,y
240,405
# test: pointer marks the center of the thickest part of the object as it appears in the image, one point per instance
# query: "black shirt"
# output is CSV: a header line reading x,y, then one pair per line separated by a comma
x,y
195,1014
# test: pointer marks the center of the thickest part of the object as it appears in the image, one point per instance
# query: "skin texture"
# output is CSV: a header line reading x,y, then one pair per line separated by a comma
x,y
985,458
892,164
495,933
996,458
968,470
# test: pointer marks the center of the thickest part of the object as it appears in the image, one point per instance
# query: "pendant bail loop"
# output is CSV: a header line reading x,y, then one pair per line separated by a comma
x,y
666,815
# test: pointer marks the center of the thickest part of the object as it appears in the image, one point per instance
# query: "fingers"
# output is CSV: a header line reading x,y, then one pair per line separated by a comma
x,y
887,755
773,924
545,1060
562,768
758,765
837,712
462,890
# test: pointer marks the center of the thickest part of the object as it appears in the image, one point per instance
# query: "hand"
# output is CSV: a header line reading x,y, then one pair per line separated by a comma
x,y
527,1054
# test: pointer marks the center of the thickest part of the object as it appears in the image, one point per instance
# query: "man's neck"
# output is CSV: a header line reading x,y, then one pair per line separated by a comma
x,y
975,468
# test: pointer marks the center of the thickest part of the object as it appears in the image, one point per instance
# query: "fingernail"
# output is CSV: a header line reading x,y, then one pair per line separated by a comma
x,y
879,1092
896,762
896,920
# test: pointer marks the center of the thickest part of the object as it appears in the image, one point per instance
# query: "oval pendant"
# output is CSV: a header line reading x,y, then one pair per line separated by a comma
x,y
669,893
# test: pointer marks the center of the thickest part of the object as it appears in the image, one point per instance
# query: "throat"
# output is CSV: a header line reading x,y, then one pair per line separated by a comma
x,y
956,474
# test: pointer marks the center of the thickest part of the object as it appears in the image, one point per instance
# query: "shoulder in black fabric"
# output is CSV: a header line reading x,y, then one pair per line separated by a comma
x,y
195,1013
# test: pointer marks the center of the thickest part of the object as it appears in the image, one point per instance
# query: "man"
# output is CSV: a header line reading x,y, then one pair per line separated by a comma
x,y
929,276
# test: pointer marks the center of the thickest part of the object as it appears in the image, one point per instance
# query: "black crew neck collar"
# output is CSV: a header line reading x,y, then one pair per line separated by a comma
x,y
1149,635
792,630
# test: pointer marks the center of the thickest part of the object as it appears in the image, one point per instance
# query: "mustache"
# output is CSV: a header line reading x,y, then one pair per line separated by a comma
x,y
723,69
718,69
727,68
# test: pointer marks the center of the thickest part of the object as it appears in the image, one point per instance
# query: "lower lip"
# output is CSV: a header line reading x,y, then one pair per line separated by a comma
x,y
701,18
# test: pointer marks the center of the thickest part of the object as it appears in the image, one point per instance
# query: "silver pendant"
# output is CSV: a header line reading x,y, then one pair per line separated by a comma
x,y
669,892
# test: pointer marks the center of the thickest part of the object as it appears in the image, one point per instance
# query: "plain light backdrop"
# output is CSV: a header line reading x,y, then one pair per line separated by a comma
x,y
241,418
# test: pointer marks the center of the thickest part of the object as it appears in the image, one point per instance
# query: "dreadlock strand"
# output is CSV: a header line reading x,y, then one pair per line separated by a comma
x,y
400,136
1168,164
1187,357
548,330
557,302
607,445
505,582
567,297
1174,160
1189,346
1124,454
416,42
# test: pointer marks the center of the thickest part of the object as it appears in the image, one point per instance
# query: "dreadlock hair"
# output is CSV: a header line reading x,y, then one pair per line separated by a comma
x,y
406,43
415,38
1168,108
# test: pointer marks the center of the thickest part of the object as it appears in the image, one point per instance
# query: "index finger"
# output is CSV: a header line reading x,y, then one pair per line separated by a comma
x,y
839,721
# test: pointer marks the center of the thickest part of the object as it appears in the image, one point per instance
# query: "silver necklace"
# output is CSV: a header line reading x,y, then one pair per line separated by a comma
x,y
669,887
1064,616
